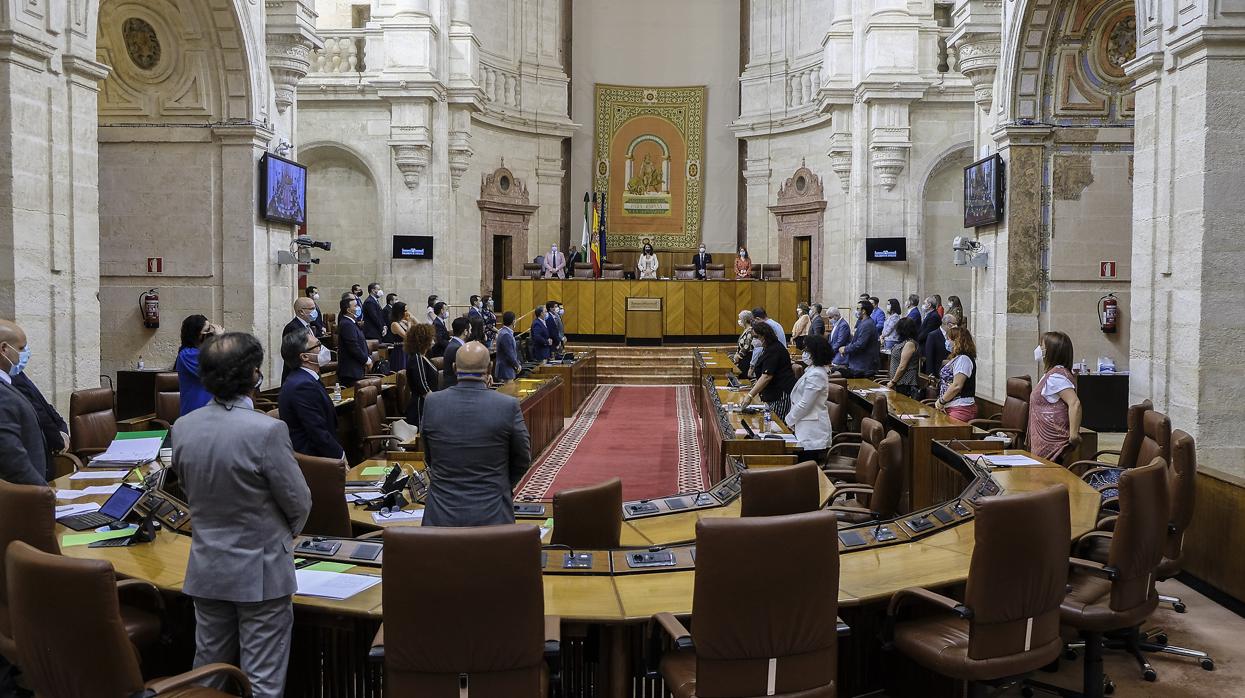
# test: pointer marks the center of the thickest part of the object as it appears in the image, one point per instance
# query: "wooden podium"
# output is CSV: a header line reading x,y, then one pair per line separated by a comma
x,y
644,323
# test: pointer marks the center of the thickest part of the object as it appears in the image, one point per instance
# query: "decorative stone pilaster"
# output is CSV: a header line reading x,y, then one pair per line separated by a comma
x,y
460,150
979,61
289,60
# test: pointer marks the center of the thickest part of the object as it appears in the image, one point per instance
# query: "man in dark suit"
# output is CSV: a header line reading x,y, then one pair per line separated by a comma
x,y
461,327
317,317
353,358
816,323
306,407
373,315
935,347
250,499
914,310
840,335
23,453
443,333
930,321
303,308
540,335
507,364
476,311
702,260
55,431
476,446
860,355
553,323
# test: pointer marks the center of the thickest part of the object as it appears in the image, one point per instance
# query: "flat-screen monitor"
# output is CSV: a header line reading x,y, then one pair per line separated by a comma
x,y
412,247
282,190
886,249
983,192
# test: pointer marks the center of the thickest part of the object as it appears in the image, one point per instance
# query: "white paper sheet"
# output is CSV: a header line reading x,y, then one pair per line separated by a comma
x,y
130,451
413,515
363,495
75,509
99,475
333,585
1011,461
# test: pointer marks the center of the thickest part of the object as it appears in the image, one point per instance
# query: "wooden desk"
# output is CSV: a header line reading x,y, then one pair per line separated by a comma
x,y
541,401
579,379
711,362
718,427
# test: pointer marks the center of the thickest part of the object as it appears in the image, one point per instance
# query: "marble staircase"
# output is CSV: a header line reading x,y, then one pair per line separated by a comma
x,y
623,365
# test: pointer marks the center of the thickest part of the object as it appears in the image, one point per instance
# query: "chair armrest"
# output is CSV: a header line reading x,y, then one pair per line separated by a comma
x,y
382,437
852,487
74,460
194,676
1107,523
839,473
146,594
553,636
1095,568
371,534
925,595
678,634
1107,452
985,424
376,653
844,448
1081,466
90,451
847,437
1078,543
843,509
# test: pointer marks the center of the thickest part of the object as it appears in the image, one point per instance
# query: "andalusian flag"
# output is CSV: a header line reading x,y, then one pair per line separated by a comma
x,y
587,237
601,226
595,240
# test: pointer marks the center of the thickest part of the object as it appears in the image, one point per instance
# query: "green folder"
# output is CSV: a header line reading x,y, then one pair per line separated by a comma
x,y
329,567
157,434
72,539
374,470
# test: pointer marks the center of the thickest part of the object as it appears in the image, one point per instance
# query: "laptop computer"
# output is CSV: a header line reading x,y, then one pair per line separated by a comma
x,y
116,509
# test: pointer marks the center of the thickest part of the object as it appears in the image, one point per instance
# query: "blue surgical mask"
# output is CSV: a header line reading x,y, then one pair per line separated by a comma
x,y
23,357
315,314
949,345
358,313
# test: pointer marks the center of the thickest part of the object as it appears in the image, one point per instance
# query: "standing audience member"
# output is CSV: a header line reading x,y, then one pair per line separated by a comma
x,y
859,357
808,419
395,334
914,309
743,264
938,305
743,346
304,404
935,351
840,331
195,329
477,448
930,320
303,310
956,308
553,322
541,343
461,328
817,321
431,312
905,360
1054,408
387,310
647,266
879,315
802,321
353,358
23,452
554,264
759,315
888,337
421,375
317,318
701,260
507,365
250,500
55,431
774,375
357,291
490,323
473,307
441,315
958,379
373,315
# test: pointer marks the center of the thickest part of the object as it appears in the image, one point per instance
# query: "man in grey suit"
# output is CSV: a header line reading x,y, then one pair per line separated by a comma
x,y
476,446
23,453
249,500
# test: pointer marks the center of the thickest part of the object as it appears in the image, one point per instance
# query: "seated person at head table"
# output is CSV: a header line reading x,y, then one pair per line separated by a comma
x,y
859,357
353,358
541,344
461,328
647,265
304,403
476,446
23,455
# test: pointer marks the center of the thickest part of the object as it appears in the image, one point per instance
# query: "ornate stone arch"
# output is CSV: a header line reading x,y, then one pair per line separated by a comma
x,y
801,211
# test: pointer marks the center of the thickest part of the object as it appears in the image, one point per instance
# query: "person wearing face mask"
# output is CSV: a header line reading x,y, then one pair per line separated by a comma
x,y
802,322
860,356
647,265
930,320
306,407
935,350
905,360
357,291
317,317
1054,408
743,346
373,314
440,315
473,309
303,310
554,264
840,333
23,453
395,335
817,321
774,375
353,358
250,499
490,322
743,264
702,260
914,308
421,375
553,323
430,312
808,419
957,380
195,330
541,345
462,331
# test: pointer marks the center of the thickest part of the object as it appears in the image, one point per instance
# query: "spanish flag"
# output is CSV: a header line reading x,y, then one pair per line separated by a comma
x,y
596,239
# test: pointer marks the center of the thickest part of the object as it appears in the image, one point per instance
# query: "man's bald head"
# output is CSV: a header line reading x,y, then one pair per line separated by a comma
x,y
472,358
303,307
12,343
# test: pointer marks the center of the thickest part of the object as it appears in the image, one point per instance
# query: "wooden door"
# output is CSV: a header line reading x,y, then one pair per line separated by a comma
x,y
501,267
803,258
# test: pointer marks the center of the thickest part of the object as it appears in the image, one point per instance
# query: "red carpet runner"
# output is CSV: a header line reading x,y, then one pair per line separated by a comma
x,y
645,435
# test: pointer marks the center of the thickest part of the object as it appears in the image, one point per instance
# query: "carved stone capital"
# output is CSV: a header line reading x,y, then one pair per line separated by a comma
x,y
888,161
289,60
460,155
411,159
840,154
979,61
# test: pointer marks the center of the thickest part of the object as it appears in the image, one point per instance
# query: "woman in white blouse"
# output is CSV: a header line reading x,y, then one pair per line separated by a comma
x,y
647,265
809,419
888,336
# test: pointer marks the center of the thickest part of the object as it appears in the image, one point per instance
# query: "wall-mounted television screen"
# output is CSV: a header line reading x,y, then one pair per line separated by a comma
x,y
283,190
886,249
412,247
984,184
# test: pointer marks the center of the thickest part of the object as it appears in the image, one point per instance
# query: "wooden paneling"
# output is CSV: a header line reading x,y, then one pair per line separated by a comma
x,y
1217,534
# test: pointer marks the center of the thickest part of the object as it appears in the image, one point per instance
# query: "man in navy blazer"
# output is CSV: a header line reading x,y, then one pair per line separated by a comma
x,y
506,365
934,350
540,335
373,315
701,260
553,322
462,328
840,335
860,356
930,321
353,358
306,407
914,309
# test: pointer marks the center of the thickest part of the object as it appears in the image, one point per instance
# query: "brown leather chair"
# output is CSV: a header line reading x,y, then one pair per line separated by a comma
x,y
836,404
766,271
588,517
92,422
848,458
168,400
330,515
1130,449
793,489
880,408
879,499
481,588
1014,419
684,271
27,514
530,270
583,270
1008,624
611,271
1155,441
1119,596
715,271
73,642
402,394
750,641
369,421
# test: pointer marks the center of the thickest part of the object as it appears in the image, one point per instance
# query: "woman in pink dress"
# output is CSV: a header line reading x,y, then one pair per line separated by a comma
x,y
1054,408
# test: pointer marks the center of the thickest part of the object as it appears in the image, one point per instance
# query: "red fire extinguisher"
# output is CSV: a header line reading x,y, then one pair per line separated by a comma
x,y
1109,313
149,304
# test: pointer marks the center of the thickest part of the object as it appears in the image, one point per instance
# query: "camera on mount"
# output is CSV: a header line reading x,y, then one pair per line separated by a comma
x,y
305,241
300,251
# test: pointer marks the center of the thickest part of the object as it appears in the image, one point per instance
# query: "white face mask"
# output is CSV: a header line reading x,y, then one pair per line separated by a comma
x,y
949,346
807,358
702,250
561,312
756,344
315,296
324,357
1038,354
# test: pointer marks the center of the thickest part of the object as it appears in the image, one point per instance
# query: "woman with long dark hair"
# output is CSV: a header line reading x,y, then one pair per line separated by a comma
x,y
195,329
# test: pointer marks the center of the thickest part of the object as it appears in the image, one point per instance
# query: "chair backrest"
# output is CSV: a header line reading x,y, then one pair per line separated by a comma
x,y
1019,572
481,589
715,271
531,270
880,408
583,271
872,431
330,515
588,517
792,489
770,271
888,485
1015,414
92,419
611,271
741,624
1156,438
168,397
1140,535
684,271
403,391
71,640
836,404
866,465
1181,495
1133,436
369,419
27,514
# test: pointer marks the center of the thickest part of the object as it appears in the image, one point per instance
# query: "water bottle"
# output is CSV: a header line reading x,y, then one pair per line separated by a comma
x,y
140,362
769,420
337,392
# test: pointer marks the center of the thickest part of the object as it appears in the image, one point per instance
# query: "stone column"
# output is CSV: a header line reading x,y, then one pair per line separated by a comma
x,y
761,244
